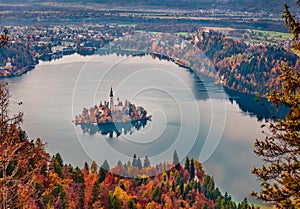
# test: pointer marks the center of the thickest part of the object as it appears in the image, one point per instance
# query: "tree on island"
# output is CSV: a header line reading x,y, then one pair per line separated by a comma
x,y
280,150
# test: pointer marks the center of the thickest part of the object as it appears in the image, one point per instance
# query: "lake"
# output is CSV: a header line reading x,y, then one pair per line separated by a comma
x,y
191,115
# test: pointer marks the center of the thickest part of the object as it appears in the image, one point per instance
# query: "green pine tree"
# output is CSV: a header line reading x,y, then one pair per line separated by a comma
x,y
134,160
192,170
95,192
139,163
187,164
280,150
146,162
105,165
176,162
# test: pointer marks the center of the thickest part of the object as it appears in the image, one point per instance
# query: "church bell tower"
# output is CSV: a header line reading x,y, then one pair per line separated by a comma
x,y
111,99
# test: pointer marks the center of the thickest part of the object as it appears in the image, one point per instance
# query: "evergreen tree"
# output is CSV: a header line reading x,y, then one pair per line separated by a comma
x,y
59,159
119,163
57,164
78,177
175,158
59,194
86,167
105,165
198,186
134,160
102,174
280,150
173,186
156,195
176,162
187,164
192,170
95,192
181,185
146,162
139,163
219,203
227,198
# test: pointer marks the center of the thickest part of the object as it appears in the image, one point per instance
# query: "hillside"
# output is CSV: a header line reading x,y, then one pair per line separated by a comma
x,y
252,68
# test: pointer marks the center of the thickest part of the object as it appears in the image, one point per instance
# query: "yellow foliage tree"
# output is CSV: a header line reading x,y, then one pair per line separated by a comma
x,y
280,150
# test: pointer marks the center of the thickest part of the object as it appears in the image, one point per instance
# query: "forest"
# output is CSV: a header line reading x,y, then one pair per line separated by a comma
x,y
242,67
18,57
31,178
53,184
129,185
248,68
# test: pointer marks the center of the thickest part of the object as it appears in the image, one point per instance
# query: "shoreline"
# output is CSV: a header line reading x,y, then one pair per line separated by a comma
x,y
128,52
147,118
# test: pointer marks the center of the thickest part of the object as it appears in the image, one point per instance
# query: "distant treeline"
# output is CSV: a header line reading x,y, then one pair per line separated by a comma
x,y
235,5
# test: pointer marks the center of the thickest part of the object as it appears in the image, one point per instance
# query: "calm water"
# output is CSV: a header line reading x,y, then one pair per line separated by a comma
x,y
190,115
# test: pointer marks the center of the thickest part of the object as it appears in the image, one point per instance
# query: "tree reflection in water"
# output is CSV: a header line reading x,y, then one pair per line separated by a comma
x,y
113,128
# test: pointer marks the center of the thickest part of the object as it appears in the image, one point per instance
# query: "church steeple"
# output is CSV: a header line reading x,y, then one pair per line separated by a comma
x,y
111,92
111,99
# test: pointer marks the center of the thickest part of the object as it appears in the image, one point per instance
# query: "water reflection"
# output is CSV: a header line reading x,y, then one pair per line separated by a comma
x,y
199,89
113,129
255,106
50,119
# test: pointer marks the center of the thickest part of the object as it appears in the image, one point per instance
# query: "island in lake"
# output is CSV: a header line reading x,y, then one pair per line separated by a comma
x,y
109,118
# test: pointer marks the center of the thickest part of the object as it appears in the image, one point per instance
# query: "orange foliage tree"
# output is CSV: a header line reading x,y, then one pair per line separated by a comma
x,y
20,158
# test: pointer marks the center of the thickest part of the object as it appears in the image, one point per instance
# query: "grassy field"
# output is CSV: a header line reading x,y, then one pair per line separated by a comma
x,y
184,33
271,34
